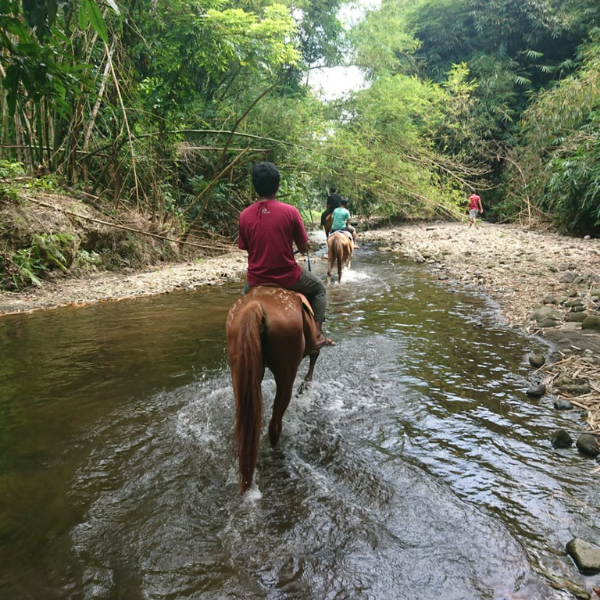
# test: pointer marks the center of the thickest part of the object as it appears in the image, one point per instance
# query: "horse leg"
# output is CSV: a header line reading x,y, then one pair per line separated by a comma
x,y
285,383
311,366
330,261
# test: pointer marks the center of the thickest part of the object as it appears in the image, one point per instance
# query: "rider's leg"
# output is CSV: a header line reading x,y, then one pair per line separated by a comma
x,y
315,291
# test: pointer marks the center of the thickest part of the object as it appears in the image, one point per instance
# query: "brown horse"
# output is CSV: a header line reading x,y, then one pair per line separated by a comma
x,y
339,249
328,224
273,327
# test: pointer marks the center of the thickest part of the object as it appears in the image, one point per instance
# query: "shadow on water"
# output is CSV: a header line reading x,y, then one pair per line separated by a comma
x,y
413,466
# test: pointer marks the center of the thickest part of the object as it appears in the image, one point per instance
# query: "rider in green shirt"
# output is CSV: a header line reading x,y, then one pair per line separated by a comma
x,y
341,220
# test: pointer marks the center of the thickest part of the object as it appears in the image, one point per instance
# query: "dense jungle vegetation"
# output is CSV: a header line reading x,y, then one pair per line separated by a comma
x,y
162,106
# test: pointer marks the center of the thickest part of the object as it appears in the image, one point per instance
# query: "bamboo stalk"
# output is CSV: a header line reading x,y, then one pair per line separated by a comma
x,y
130,137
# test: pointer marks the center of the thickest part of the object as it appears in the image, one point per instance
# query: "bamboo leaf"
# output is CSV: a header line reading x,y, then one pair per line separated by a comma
x,y
96,19
82,16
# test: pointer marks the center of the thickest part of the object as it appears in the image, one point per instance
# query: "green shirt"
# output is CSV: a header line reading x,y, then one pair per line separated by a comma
x,y
340,215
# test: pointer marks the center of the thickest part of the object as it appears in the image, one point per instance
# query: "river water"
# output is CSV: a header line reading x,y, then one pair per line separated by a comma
x,y
414,467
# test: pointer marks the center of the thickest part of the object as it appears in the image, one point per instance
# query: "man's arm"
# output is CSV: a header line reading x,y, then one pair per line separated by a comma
x,y
303,248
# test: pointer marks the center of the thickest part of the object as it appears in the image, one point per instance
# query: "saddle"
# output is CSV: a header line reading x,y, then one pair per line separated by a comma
x,y
341,231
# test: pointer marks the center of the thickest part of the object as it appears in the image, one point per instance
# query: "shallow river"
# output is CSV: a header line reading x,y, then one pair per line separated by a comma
x,y
413,468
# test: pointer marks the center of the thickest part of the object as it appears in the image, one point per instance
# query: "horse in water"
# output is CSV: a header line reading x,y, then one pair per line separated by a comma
x,y
339,249
273,327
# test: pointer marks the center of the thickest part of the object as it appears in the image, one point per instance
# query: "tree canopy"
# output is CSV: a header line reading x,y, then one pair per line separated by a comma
x,y
165,105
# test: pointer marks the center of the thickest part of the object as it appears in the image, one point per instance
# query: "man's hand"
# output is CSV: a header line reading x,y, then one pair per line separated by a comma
x,y
304,248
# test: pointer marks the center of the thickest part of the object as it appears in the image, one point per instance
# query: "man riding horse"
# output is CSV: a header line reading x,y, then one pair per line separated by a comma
x,y
333,201
267,230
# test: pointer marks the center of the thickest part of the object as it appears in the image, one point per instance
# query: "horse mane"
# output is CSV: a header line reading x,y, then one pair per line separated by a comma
x,y
247,378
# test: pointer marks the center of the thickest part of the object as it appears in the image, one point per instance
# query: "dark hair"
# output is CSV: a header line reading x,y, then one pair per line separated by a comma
x,y
265,179
344,200
332,189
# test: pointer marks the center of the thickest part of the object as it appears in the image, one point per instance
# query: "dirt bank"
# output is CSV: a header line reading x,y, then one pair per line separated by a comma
x,y
112,286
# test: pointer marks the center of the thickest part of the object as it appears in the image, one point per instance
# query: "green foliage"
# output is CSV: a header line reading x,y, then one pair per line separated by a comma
x,y
19,270
559,152
572,192
87,261
9,169
26,266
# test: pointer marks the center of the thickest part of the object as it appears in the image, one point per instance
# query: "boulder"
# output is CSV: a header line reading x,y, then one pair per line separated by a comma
x,y
575,389
574,302
568,277
591,322
585,556
561,404
576,317
536,360
561,439
545,312
588,444
536,391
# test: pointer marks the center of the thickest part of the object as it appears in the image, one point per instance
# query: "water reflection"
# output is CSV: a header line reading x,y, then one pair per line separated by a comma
x,y
414,465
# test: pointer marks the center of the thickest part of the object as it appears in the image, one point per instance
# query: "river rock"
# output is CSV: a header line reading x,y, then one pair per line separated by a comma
x,y
548,323
545,312
549,299
536,360
588,444
576,317
561,404
575,302
536,391
595,292
575,389
585,556
561,439
567,277
591,322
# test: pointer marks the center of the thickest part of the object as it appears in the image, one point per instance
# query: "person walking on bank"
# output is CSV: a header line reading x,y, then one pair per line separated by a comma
x,y
333,201
267,231
475,207
341,221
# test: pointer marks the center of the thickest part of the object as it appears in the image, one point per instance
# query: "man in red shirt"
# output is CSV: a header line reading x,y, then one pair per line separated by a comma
x,y
267,230
474,207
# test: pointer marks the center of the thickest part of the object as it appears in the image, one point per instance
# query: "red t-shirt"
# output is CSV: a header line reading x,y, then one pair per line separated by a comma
x,y
267,229
474,202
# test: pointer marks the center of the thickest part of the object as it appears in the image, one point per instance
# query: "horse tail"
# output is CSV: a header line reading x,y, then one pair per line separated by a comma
x,y
247,378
